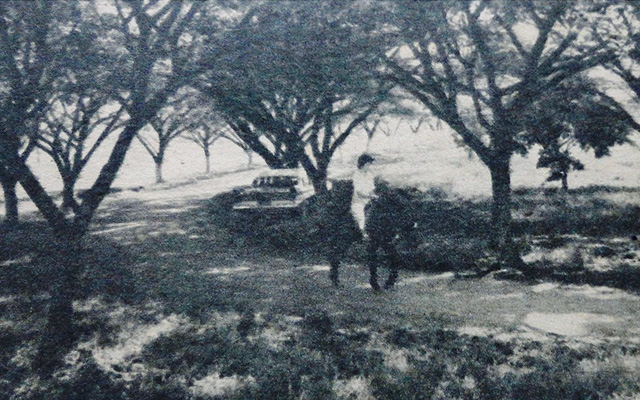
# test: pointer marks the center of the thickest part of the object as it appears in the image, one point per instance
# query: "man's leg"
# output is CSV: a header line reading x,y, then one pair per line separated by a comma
x,y
393,261
372,262
334,262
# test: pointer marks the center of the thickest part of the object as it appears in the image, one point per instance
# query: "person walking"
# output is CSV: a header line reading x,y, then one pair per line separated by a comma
x,y
374,209
363,190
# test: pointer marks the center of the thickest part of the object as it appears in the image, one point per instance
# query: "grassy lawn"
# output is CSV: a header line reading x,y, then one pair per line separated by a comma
x,y
175,304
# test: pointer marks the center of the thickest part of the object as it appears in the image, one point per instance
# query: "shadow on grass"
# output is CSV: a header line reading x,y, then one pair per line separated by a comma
x,y
28,266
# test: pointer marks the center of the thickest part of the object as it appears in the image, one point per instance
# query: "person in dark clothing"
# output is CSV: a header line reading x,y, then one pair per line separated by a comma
x,y
363,208
342,228
383,213
388,216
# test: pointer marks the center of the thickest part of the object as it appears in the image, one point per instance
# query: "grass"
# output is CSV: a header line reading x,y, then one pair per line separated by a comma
x,y
271,333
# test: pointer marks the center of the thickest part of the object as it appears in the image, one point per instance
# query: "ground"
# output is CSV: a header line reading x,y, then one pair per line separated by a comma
x,y
207,314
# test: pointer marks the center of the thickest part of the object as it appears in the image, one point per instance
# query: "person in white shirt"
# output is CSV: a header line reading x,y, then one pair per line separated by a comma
x,y
363,190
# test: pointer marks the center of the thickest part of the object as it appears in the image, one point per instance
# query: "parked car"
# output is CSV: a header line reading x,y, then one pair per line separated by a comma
x,y
274,190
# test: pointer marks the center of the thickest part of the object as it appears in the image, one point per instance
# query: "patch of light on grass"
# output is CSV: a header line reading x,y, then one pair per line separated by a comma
x,y
293,318
92,304
396,359
555,256
492,297
175,231
7,323
571,324
444,275
600,264
119,227
523,334
226,271
215,386
273,337
599,292
17,261
544,287
316,268
413,280
172,210
356,388
475,331
7,299
426,277
131,342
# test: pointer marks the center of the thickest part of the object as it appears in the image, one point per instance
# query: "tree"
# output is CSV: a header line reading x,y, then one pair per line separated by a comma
x,y
297,81
149,40
619,30
473,65
557,157
173,121
577,114
74,127
204,132
26,67
9,180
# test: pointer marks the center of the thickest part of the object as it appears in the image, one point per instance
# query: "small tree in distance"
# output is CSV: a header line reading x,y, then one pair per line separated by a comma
x,y
557,157
204,132
577,115
173,121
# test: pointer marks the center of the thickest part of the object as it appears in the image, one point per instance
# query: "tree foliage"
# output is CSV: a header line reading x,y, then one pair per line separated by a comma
x,y
577,114
473,65
294,81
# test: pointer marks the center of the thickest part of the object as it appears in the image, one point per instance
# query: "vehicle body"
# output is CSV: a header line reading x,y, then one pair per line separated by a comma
x,y
274,190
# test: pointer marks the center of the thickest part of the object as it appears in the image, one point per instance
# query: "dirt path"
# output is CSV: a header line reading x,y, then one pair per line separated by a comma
x,y
171,229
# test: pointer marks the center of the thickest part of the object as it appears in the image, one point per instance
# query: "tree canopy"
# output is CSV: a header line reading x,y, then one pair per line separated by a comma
x,y
479,65
293,81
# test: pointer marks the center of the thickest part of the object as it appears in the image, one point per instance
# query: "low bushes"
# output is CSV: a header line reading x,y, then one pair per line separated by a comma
x,y
318,358
454,234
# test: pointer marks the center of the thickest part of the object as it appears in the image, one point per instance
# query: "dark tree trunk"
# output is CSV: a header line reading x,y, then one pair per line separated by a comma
x,y
60,333
159,178
9,185
502,222
565,182
207,158
317,175
68,200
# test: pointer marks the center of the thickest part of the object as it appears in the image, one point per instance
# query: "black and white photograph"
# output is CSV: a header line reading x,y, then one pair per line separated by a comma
x,y
320,199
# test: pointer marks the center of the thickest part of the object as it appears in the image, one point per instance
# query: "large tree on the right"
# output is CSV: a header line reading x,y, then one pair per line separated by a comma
x,y
479,65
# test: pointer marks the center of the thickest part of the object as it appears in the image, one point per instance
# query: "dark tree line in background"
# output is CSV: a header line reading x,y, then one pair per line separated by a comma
x,y
290,81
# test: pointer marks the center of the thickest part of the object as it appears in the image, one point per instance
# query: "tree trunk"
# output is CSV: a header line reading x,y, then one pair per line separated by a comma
x,y
502,234
68,200
319,179
159,178
249,159
60,331
565,182
9,185
207,157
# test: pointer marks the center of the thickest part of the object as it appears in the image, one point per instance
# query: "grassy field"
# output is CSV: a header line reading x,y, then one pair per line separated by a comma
x,y
175,303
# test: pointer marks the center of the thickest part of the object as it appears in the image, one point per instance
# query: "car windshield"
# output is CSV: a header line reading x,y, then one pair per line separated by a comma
x,y
276,181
